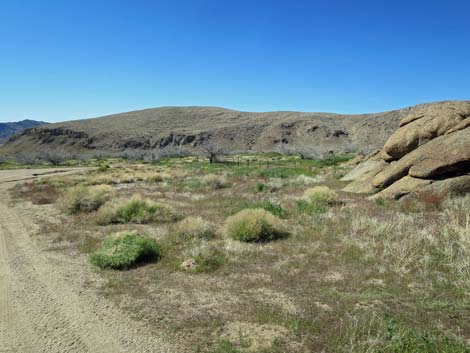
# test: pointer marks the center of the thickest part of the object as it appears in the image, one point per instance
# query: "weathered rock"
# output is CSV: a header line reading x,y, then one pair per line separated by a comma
x,y
402,187
442,156
364,170
456,186
425,124
362,176
429,151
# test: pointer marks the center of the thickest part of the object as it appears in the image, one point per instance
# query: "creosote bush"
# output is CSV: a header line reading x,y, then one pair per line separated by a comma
x,y
135,210
194,227
85,198
254,225
125,250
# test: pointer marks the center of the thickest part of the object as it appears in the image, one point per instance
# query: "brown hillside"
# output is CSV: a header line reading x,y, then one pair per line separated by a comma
x,y
172,130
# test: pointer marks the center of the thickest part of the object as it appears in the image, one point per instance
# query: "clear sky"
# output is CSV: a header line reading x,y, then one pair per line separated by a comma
x,y
62,60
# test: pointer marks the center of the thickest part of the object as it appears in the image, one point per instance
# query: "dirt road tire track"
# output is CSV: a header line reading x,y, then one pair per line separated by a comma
x,y
40,311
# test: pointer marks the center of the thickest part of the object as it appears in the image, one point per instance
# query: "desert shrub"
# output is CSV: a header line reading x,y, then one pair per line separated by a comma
x,y
254,225
205,258
215,181
156,178
194,227
125,250
321,195
209,260
135,210
85,198
317,200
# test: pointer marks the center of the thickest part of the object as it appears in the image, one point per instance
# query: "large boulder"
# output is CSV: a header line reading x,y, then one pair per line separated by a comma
x,y
402,187
425,124
430,150
362,175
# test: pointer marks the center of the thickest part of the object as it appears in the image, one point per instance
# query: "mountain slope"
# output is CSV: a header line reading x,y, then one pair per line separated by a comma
x,y
9,129
170,130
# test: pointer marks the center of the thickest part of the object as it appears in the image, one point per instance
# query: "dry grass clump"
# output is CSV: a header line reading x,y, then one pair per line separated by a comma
x,y
459,204
254,225
135,210
366,333
407,246
125,250
85,198
321,195
215,181
308,180
194,227
154,178
107,179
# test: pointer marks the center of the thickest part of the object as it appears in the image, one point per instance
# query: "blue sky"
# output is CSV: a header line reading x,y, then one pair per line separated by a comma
x,y
62,60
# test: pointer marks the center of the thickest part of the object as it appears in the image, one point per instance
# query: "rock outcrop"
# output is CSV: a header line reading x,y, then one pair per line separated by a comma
x,y
429,151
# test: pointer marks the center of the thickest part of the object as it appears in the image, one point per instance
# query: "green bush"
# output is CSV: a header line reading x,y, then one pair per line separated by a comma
x,y
125,250
254,225
136,210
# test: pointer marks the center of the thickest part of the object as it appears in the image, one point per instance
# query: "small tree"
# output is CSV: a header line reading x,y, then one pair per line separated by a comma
x,y
212,151
52,157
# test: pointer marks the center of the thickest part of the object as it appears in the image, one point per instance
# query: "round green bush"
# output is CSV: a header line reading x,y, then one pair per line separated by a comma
x,y
125,250
254,225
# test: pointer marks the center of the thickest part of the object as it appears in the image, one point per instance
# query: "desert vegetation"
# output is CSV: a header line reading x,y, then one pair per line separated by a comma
x,y
124,250
265,253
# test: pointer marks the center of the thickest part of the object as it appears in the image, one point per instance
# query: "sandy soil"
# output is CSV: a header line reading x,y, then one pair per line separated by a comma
x,y
45,304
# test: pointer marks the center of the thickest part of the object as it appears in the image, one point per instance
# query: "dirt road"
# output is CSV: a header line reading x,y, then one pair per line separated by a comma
x,y
44,306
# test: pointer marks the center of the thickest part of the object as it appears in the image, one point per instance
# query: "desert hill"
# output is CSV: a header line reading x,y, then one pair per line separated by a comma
x,y
173,130
9,129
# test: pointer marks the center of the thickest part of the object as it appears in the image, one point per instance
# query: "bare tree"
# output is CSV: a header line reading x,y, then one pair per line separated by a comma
x,y
53,157
212,151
